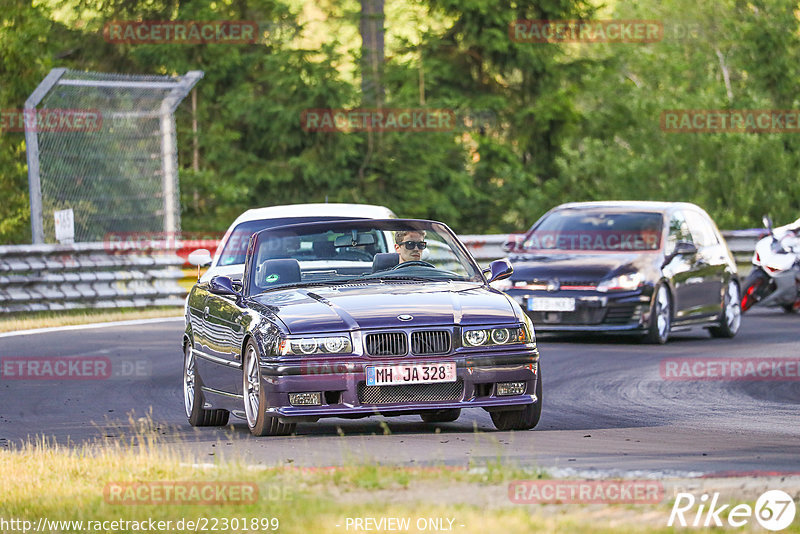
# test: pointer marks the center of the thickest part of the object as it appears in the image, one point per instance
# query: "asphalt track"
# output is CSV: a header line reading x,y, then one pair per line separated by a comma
x,y
607,408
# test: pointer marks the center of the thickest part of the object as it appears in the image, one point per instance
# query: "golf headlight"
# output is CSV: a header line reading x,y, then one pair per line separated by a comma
x,y
494,336
315,345
623,282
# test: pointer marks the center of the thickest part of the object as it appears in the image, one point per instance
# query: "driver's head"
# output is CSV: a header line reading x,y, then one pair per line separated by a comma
x,y
409,244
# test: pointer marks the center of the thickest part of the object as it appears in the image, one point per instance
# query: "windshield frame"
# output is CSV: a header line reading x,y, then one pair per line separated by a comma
x,y
474,273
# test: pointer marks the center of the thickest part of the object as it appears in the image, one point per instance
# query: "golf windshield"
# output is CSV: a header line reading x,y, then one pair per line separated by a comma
x,y
368,251
596,230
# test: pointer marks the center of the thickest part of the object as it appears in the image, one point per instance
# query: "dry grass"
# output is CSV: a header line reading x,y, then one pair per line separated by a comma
x,y
44,480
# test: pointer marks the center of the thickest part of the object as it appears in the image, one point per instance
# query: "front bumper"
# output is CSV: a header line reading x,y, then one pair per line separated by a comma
x,y
595,311
344,392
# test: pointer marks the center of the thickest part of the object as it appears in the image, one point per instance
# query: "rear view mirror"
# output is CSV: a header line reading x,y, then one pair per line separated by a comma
x,y
354,240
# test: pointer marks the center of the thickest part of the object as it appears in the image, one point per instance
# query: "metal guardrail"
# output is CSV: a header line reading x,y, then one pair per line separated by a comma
x,y
103,275
87,275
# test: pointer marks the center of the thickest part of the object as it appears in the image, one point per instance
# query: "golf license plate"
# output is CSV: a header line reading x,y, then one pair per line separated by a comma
x,y
421,373
551,304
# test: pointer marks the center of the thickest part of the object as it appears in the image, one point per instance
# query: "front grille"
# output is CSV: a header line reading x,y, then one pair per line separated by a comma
x,y
430,342
591,283
443,391
386,344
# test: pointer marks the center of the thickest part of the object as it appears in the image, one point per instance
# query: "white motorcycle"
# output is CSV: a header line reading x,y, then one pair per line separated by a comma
x,y
775,278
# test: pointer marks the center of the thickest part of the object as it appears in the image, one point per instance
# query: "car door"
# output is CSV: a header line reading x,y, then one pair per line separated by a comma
x,y
224,335
681,269
710,263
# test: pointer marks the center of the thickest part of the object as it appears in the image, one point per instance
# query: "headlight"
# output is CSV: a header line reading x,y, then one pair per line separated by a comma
x,y
473,338
494,336
500,336
623,282
307,346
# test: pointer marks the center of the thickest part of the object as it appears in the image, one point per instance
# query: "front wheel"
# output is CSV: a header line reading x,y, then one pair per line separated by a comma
x,y
259,423
755,285
524,419
193,395
660,317
731,317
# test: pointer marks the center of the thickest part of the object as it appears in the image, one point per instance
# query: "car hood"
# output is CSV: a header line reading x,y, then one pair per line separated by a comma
x,y
580,267
329,309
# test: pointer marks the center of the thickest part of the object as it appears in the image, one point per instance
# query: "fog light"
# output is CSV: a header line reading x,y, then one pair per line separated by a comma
x,y
510,388
305,399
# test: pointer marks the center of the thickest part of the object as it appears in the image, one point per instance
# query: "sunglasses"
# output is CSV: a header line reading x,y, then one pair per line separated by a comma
x,y
411,244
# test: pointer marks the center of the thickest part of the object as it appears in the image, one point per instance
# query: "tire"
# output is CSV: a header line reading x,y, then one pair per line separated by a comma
x,y
731,318
660,317
524,419
193,395
259,423
789,308
753,288
441,416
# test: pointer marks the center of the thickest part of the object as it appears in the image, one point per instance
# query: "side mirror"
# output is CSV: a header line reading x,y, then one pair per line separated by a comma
x,y
684,247
222,285
513,243
200,257
767,221
499,270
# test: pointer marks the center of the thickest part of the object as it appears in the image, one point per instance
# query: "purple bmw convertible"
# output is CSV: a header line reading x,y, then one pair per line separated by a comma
x,y
358,318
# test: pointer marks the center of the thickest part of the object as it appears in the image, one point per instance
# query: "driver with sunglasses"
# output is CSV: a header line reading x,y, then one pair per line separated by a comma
x,y
410,244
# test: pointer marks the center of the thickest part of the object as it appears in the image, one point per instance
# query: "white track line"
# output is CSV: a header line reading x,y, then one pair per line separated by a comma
x,y
133,322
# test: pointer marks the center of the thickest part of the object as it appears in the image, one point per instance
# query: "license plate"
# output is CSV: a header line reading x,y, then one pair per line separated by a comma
x,y
561,304
422,373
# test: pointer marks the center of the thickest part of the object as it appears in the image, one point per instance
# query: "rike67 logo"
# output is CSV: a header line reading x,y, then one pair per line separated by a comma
x,y
774,510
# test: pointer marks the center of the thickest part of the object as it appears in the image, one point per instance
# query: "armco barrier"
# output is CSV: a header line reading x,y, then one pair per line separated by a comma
x,y
87,275
99,275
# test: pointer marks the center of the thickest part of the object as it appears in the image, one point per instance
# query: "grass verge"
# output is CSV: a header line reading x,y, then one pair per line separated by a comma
x,y
45,319
46,482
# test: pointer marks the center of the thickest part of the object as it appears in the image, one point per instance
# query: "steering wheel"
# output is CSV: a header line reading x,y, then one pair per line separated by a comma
x,y
417,263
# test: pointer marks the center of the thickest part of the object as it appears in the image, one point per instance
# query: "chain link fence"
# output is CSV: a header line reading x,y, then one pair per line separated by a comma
x,y
104,146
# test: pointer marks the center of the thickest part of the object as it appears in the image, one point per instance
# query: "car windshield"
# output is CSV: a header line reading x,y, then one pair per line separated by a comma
x,y
596,230
346,252
235,249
